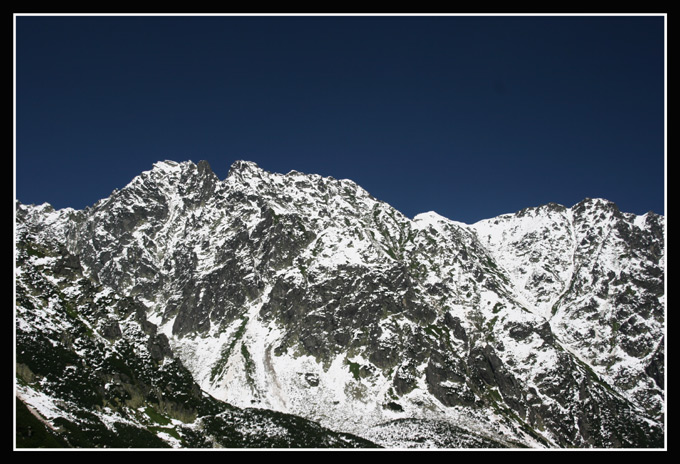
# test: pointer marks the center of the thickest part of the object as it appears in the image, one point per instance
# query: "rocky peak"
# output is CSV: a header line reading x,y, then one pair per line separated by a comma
x,y
303,294
204,168
244,169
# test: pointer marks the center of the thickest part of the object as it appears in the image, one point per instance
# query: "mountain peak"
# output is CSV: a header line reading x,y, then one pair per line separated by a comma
x,y
243,166
204,167
301,294
433,218
596,203
166,165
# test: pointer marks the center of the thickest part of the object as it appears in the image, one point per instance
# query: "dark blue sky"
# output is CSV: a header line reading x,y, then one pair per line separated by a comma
x,y
467,116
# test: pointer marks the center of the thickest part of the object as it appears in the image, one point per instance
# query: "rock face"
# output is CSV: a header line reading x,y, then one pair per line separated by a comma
x,y
182,298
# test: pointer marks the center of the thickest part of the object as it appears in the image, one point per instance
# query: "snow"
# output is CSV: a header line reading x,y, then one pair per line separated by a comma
x,y
640,221
40,402
430,219
537,252
167,166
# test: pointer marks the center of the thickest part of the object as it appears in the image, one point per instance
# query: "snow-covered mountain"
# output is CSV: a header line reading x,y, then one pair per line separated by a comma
x,y
297,310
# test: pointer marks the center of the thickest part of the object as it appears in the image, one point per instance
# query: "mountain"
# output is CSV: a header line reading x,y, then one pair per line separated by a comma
x,y
298,311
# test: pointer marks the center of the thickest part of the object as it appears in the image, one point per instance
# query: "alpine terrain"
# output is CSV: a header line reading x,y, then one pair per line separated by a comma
x,y
271,310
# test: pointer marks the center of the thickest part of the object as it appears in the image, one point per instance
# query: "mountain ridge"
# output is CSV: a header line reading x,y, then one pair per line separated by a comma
x,y
305,295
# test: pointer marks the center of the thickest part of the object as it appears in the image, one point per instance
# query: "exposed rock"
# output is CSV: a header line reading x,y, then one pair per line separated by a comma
x,y
182,284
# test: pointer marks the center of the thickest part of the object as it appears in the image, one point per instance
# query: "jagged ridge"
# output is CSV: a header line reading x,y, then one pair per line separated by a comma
x,y
306,295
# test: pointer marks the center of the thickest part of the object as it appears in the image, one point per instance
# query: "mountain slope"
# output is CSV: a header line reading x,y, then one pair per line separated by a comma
x,y
298,294
98,373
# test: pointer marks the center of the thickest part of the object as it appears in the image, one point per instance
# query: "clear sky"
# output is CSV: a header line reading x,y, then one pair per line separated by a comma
x,y
470,117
